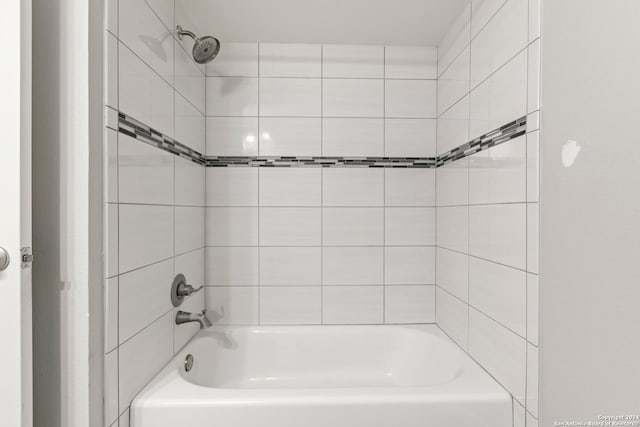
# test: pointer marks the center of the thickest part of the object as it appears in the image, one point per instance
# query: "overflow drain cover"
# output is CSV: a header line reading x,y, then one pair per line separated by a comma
x,y
188,362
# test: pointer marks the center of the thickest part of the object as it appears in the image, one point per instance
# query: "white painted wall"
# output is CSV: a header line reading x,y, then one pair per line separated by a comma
x,y
590,205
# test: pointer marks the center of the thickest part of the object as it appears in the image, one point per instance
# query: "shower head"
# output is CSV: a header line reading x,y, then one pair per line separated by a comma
x,y
204,49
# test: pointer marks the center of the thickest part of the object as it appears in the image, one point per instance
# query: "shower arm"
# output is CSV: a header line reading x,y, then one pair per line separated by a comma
x,y
182,32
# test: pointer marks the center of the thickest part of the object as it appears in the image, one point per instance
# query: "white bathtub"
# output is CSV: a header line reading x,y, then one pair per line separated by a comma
x,y
321,376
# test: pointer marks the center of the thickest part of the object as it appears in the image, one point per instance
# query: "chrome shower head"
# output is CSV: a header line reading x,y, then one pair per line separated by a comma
x,y
204,49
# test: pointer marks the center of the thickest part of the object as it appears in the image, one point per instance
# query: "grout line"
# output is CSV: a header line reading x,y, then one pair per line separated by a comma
x,y
384,186
322,185
259,139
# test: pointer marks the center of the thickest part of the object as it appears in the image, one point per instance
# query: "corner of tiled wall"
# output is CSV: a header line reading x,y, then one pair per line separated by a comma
x,y
154,199
487,213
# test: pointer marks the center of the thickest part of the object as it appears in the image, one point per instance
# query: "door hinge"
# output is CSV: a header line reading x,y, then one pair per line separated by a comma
x,y
26,257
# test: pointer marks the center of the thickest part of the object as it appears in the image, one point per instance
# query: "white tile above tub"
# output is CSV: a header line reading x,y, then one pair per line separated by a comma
x,y
232,226
353,137
189,80
111,387
189,228
410,226
452,272
164,9
282,266
232,136
533,237
290,136
235,60
411,62
290,305
352,187
453,126
233,305
352,61
111,68
112,236
293,97
189,183
143,297
532,308
192,265
452,228
410,187
352,265
410,138
409,265
410,304
453,85
531,421
145,235
452,184
293,226
534,19
353,98
154,345
290,60
518,415
290,186
482,12
410,99
232,186
124,419
352,226
353,305
455,39
111,16
111,160
532,380
232,266
190,124
232,96
532,166
533,77
452,315
110,314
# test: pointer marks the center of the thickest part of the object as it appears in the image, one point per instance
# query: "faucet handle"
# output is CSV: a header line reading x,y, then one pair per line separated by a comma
x,y
184,289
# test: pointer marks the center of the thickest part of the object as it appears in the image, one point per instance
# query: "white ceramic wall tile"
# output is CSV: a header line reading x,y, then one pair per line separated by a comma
x,y
189,223
233,306
352,137
455,40
532,308
143,297
533,82
290,60
143,94
452,272
452,228
498,175
352,61
454,83
232,186
533,121
189,80
410,138
111,16
111,70
110,314
452,184
190,124
189,183
482,12
111,167
124,419
410,99
110,116
232,136
290,136
532,237
501,352
164,9
111,387
352,98
352,265
297,305
519,419
453,126
290,187
192,265
235,60
410,187
411,62
145,235
353,305
498,233
290,226
290,97
532,380
532,166
500,40
352,187
232,266
410,226
290,266
531,421
410,304
111,235
409,265
534,19
145,34
154,345
352,226
499,292
183,333
501,98
232,96
452,315
232,226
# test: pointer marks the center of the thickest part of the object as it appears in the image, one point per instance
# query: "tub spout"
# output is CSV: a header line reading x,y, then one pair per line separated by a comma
x,y
201,318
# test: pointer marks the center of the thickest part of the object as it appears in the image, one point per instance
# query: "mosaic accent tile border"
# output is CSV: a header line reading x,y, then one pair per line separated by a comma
x,y
136,129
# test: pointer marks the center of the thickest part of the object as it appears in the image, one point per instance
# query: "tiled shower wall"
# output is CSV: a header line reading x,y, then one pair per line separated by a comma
x,y
154,199
487,203
312,245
